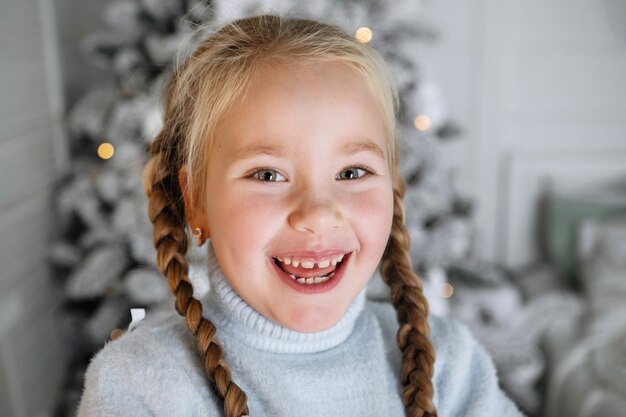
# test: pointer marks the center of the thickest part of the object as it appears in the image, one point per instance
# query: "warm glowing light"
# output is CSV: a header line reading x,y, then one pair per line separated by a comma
x,y
364,34
106,150
422,122
446,290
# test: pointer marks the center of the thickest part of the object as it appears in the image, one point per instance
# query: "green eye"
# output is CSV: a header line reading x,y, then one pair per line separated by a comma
x,y
268,175
352,173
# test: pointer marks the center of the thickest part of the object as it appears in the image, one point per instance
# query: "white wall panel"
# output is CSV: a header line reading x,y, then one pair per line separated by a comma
x,y
572,135
579,87
27,164
569,22
31,353
28,226
33,344
546,80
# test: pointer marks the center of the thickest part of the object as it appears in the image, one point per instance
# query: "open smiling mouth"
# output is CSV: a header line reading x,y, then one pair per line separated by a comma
x,y
309,272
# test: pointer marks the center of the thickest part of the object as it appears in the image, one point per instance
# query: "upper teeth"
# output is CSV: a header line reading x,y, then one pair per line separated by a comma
x,y
308,264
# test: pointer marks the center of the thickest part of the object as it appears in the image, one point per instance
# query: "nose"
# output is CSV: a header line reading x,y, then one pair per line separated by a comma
x,y
315,214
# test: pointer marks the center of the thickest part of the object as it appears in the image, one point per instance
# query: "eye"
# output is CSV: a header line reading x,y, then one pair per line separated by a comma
x,y
268,175
353,173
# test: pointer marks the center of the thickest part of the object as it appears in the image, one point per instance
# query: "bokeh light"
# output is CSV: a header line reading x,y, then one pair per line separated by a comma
x,y
446,290
364,34
106,150
422,122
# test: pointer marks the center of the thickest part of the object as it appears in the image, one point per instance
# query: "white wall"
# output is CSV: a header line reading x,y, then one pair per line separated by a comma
x,y
539,88
31,355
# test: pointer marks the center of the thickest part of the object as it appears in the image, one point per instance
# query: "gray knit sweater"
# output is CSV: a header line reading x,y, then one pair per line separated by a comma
x,y
349,370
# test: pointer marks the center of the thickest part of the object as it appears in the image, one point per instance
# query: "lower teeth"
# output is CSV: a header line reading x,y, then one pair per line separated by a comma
x,y
312,280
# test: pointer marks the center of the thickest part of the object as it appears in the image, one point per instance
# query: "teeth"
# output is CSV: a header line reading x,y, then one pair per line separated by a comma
x,y
336,260
311,264
313,280
308,264
323,264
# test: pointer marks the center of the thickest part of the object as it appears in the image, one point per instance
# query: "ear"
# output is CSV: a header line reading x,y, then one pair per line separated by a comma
x,y
194,209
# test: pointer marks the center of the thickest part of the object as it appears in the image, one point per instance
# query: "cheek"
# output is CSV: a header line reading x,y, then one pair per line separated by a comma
x,y
372,214
243,220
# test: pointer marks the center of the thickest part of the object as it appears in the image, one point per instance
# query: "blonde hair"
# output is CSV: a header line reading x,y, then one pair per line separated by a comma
x,y
218,74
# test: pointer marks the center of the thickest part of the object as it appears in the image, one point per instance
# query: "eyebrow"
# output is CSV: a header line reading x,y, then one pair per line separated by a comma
x,y
258,148
351,148
365,145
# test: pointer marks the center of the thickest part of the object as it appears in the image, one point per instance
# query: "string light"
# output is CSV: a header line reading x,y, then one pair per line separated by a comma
x,y
106,150
364,34
446,290
422,122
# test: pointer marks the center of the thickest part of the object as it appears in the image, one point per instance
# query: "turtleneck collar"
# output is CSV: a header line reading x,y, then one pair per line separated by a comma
x,y
234,317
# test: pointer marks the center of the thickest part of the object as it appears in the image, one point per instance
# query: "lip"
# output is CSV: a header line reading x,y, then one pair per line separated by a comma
x,y
312,255
313,288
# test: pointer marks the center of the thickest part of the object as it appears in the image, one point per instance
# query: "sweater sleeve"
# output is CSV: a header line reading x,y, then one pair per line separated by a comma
x,y
151,371
465,377
107,394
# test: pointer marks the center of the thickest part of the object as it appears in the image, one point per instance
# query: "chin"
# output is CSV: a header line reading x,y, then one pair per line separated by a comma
x,y
311,320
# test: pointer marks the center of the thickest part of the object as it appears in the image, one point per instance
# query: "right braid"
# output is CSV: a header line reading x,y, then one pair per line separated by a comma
x,y
166,212
407,296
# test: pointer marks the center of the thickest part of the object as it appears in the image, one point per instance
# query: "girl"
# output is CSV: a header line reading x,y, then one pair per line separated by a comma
x,y
279,144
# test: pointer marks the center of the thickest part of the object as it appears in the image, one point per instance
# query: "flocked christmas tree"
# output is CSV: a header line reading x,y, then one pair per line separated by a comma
x,y
105,254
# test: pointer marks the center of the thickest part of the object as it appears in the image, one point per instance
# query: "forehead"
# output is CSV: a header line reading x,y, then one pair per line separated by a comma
x,y
325,103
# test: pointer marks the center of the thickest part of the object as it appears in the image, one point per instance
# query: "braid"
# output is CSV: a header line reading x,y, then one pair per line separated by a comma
x,y
418,354
166,212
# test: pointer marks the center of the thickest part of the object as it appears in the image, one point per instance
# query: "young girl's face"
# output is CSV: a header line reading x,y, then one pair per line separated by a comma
x,y
297,180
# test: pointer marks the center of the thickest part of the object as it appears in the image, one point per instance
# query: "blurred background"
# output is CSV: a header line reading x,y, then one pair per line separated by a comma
x,y
514,141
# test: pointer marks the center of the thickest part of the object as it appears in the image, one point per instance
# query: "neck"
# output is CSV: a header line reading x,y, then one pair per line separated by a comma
x,y
236,318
